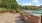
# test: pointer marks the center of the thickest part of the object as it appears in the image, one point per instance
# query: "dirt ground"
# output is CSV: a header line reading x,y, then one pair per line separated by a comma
x,y
10,18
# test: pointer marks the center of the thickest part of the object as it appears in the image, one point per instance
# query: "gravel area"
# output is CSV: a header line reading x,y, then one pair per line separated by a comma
x,y
10,18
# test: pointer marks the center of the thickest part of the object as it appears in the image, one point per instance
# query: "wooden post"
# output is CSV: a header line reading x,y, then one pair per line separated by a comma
x,y
22,16
14,11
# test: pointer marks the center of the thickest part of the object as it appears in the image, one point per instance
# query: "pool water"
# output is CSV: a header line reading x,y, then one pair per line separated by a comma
x,y
34,11
38,12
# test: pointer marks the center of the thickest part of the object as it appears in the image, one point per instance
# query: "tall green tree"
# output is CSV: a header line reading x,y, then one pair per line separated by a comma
x,y
10,3
0,3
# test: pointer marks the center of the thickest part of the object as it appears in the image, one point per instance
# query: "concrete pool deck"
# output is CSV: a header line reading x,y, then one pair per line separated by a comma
x,y
10,18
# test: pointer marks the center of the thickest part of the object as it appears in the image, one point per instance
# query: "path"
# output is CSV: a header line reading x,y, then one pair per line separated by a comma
x,y
10,18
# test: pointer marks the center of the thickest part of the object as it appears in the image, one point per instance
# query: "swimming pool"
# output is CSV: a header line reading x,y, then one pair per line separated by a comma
x,y
38,12
33,11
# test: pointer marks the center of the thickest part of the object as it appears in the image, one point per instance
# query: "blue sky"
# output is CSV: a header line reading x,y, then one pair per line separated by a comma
x,y
30,2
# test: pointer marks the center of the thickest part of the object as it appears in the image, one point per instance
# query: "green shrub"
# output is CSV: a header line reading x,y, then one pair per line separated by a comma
x,y
3,10
19,11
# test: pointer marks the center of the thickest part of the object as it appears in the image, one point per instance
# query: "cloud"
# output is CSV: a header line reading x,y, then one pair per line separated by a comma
x,y
35,1
26,4
17,0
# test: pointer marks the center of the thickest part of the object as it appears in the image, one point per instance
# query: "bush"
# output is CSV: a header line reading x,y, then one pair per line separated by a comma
x,y
3,10
19,11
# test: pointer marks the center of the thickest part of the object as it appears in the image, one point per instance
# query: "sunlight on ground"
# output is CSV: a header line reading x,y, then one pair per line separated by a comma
x,y
10,18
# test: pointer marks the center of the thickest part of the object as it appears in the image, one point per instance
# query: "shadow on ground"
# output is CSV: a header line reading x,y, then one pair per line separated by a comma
x,y
18,20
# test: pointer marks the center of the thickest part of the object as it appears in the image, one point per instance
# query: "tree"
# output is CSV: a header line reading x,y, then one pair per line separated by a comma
x,y
0,3
40,6
10,3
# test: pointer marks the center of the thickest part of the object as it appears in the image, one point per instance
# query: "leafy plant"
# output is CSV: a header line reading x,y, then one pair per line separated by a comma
x,y
19,11
3,10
